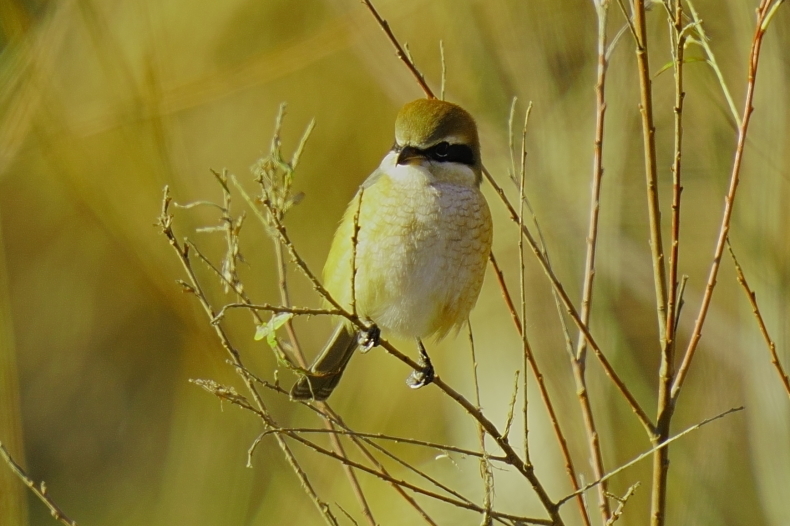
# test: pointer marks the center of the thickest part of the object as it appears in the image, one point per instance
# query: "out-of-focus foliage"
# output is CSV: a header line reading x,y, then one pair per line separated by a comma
x,y
103,103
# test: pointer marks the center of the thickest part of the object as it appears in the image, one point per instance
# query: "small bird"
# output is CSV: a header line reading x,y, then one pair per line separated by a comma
x,y
415,241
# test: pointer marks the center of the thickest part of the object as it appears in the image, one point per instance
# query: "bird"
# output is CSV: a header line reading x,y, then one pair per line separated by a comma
x,y
410,253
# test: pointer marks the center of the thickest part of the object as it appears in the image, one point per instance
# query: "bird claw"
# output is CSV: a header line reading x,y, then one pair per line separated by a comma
x,y
425,374
369,338
420,377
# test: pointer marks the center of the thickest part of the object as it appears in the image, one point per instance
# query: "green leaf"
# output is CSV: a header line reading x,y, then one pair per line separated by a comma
x,y
268,330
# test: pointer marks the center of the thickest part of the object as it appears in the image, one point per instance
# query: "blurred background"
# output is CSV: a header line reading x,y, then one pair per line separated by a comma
x,y
104,103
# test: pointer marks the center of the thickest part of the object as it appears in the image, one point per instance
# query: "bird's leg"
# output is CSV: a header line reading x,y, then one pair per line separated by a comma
x,y
425,374
369,338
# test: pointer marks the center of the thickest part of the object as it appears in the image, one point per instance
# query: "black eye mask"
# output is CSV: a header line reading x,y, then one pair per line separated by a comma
x,y
451,153
443,152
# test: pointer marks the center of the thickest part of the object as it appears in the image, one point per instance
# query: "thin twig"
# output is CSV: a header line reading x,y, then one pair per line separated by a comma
x,y
227,275
39,490
286,301
381,473
752,296
541,240
485,465
302,266
522,288
570,309
195,204
511,406
754,57
227,394
279,190
544,394
361,442
579,359
511,147
771,12
500,277
602,10
679,40
651,172
617,513
399,50
299,311
231,230
354,243
665,408
444,448
649,452
455,502
422,474
444,70
356,488
165,223
512,458
629,19
526,349
236,287
347,514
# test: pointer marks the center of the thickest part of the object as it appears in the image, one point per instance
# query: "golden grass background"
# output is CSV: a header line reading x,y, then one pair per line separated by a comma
x,y
103,103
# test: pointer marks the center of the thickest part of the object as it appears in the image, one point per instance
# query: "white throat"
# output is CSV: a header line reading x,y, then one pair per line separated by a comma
x,y
428,171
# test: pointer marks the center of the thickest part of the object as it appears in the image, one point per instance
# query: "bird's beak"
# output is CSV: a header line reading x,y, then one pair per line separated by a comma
x,y
409,155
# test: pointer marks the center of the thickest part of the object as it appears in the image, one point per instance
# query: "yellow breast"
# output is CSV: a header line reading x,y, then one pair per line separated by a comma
x,y
421,253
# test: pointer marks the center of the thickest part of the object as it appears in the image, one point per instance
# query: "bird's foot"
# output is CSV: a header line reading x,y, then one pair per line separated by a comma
x,y
425,374
420,377
369,338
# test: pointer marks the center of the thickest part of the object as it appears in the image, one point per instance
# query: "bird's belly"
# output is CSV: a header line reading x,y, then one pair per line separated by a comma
x,y
414,295
421,260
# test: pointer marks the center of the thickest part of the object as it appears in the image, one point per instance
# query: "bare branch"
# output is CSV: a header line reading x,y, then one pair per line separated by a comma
x,y
570,309
754,57
649,452
651,172
485,465
182,251
752,296
39,490
579,359
616,514
399,51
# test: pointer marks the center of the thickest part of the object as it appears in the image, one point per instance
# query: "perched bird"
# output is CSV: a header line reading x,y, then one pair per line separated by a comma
x,y
416,237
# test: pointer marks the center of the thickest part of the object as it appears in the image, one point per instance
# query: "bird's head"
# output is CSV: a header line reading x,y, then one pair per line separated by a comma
x,y
440,136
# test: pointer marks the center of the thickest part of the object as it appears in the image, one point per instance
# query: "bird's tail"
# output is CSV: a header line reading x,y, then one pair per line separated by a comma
x,y
327,369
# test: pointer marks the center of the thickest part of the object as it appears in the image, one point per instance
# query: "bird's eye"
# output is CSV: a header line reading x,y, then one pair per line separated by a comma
x,y
451,153
442,150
